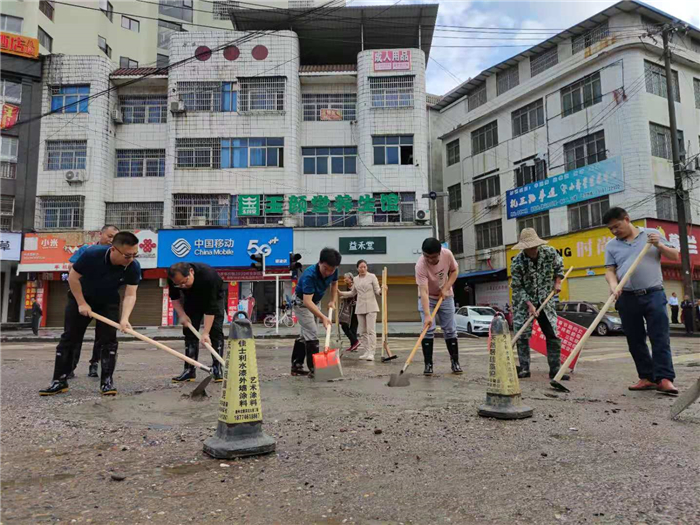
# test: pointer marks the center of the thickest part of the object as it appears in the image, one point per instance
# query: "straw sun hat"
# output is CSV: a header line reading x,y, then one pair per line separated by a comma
x,y
529,239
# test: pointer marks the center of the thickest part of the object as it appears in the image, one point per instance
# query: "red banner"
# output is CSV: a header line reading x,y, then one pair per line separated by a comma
x,y
10,114
569,333
232,299
167,317
36,291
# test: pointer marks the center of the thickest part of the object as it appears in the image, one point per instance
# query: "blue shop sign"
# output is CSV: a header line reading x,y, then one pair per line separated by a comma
x,y
596,180
230,247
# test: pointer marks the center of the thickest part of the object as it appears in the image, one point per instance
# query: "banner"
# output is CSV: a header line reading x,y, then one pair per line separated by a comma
x,y
569,333
10,246
10,114
232,306
331,114
167,317
392,60
36,291
670,231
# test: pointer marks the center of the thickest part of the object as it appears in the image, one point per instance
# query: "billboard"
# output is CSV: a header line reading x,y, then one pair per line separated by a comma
x,y
391,60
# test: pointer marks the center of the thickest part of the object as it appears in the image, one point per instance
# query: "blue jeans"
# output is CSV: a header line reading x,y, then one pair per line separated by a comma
x,y
446,316
634,310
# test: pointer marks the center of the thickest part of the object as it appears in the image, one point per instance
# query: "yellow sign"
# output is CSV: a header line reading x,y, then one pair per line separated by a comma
x,y
503,378
19,45
240,401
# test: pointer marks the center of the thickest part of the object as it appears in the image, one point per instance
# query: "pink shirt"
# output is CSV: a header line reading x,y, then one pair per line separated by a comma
x,y
435,276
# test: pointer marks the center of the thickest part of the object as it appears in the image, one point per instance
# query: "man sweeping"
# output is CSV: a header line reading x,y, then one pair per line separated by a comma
x,y
197,293
310,289
535,271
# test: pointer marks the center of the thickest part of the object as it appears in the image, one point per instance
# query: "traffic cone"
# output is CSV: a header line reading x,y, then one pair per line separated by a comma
x,y
239,430
503,393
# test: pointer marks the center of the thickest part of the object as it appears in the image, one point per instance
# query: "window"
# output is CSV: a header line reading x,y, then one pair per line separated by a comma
x,y
485,137
102,44
107,9
252,153
7,212
46,7
198,153
477,97
528,118
581,42
393,149
331,106
181,9
489,235
454,199
588,214
11,92
66,154
526,174
209,96
126,62
221,8
135,215
336,161
406,213
391,92
142,109
453,152
582,94
229,96
271,211
8,157
544,61
11,24
201,210
131,24
487,187
165,31
539,221
656,81
140,163
457,241
70,99
261,93
666,205
45,39
332,219
584,151
661,141
507,80
60,212
696,87
162,60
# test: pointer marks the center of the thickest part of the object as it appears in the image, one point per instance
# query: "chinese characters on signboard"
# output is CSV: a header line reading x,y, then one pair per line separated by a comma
x,y
241,402
362,245
392,60
19,45
331,114
251,205
569,333
10,114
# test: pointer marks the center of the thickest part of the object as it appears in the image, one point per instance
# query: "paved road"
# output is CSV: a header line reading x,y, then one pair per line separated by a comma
x,y
353,451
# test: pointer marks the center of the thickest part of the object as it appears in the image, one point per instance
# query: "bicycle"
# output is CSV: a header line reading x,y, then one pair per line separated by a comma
x,y
287,320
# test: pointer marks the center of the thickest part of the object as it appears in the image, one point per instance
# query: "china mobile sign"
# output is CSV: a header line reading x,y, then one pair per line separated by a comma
x,y
392,60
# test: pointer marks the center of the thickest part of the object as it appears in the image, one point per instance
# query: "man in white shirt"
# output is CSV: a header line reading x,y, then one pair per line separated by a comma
x,y
673,303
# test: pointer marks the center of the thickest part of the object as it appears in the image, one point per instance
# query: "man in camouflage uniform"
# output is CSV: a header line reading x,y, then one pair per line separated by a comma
x,y
535,271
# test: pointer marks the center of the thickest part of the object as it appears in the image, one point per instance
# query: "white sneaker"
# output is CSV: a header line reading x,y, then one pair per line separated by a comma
x,y
370,357
363,356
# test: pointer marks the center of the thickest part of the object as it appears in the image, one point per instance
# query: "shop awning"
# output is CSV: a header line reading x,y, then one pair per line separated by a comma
x,y
480,273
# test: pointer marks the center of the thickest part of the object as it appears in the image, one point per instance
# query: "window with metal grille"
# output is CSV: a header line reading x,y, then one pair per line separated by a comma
x,y
7,212
181,9
333,219
198,153
485,138
588,214
11,24
6,224
131,24
544,61
406,213
252,153
454,199
452,152
135,215
477,97
102,44
8,157
393,149
656,81
584,151
11,91
528,118
201,210
70,99
144,109
539,221
66,155
329,106
221,9
301,4
507,80
696,87
336,161
261,93
661,141
487,187
165,31
489,235
666,205
526,174
457,241
581,94
581,42
200,96
60,212
271,211
126,62
391,92
47,7
45,39
140,163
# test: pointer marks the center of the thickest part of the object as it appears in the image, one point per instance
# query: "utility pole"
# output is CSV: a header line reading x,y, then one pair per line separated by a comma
x,y
678,170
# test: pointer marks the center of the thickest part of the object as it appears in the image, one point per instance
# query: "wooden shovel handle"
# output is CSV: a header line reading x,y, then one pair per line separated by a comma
x,y
207,345
137,335
422,335
385,318
328,330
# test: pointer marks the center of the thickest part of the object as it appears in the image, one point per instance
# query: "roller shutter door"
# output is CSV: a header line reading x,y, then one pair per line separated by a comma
x,y
403,303
149,303
58,297
593,289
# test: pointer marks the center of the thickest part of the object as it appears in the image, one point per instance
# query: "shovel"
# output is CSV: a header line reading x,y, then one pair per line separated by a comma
x,y
385,320
686,399
327,365
555,383
197,392
399,379
213,352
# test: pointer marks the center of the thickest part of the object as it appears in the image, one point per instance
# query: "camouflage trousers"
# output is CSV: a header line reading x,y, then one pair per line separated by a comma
x,y
553,342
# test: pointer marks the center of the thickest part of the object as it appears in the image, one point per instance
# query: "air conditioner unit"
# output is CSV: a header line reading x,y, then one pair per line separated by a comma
x,y
75,176
493,202
198,220
421,217
483,255
117,116
177,107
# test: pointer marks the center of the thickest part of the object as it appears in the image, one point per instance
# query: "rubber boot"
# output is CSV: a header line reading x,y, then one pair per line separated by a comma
x,y
189,373
427,345
298,355
216,368
108,364
524,358
96,353
311,349
92,371
453,349
554,358
57,386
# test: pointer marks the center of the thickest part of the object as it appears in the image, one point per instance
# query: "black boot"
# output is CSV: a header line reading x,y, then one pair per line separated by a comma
x,y
453,349
524,357
58,386
189,373
311,349
298,355
524,371
554,358
427,345
71,375
216,368
92,371
108,364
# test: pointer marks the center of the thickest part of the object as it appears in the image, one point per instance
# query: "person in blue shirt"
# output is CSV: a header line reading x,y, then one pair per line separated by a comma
x,y
94,286
310,289
107,234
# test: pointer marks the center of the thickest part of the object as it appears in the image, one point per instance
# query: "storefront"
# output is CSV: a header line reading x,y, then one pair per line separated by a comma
x,y
673,279
483,288
10,289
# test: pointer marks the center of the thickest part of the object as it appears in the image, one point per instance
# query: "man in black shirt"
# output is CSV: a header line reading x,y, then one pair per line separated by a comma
x,y
94,286
197,291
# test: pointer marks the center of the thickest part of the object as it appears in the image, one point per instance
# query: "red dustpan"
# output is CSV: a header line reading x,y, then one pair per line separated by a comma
x,y
327,365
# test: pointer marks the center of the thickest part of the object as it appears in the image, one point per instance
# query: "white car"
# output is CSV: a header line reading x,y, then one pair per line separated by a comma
x,y
474,319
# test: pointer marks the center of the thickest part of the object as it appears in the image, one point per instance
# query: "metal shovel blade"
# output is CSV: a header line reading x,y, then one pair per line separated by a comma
x,y
200,392
385,359
686,399
556,385
399,379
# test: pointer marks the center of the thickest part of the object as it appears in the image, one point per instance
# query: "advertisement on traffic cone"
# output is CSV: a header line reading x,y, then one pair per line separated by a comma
x,y
241,404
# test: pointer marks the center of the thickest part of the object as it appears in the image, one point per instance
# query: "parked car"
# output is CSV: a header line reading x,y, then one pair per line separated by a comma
x,y
474,319
584,313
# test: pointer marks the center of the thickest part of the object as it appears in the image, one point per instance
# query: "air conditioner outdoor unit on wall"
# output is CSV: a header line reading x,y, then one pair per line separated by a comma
x,y
177,107
75,176
421,216
117,116
198,220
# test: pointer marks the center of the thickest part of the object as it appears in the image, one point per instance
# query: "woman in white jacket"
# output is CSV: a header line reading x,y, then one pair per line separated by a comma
x,y
366,288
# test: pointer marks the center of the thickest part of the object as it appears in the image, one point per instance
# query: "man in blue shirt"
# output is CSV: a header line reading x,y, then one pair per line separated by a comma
x,y
107,234
94,286
309,291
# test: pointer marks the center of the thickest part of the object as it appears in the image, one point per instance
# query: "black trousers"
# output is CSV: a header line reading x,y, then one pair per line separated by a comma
x,y
688,320
674,314
196,315
36,319
74,331
350,329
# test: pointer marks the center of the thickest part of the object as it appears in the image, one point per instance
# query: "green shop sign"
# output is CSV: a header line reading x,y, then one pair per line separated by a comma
x,y
362,245
251,205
